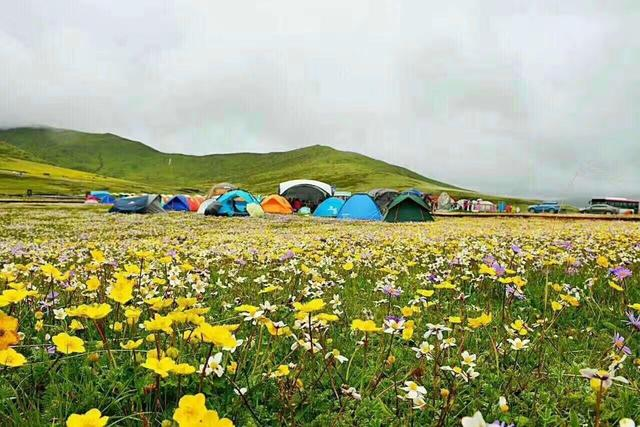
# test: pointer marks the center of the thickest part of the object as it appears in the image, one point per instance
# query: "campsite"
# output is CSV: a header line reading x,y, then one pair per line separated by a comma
x,y
320,213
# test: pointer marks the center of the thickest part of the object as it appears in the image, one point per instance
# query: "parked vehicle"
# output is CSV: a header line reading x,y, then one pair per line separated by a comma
x,y
601,208
545,207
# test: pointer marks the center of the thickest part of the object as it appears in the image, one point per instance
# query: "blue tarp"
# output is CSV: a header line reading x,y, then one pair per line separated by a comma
x,y
147,204
360,207
329,208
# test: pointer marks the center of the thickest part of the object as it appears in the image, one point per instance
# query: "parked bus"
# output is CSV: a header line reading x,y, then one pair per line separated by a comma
x,y
618,202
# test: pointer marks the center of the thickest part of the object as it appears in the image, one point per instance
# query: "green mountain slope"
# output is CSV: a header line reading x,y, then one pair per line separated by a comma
x,y
109,155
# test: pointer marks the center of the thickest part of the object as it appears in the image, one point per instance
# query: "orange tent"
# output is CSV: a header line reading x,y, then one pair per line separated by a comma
x,y
276,205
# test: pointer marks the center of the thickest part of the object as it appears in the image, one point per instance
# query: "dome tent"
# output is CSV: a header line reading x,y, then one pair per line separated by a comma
x,y
203,206
233,203
103,197
146,204
255,210
329,208
383,197
220,189
360,206
408,208
307,192
179,203
276,204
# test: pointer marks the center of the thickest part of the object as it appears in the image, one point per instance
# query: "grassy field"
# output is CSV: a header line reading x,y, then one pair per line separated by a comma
x,y
113,156
293,321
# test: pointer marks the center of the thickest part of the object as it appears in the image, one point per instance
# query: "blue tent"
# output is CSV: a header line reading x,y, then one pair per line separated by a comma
x,y
103,197
360,206
147,204
177,203
232,203
329,208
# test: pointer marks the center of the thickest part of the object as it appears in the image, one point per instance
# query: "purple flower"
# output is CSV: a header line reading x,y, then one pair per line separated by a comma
x,y
52,296
433,278
500,270
287,256
621,272
241,262
634,321
498,423
489,260
51,349
516,249
618,345
392,291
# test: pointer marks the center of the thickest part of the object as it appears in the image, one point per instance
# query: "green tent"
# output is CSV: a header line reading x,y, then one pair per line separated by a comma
x,y
408,208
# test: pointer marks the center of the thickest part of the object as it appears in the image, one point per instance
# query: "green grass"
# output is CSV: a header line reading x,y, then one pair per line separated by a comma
x,y
113,156
18,175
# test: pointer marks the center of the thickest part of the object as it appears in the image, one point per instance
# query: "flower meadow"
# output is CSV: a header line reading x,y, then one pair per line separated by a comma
x,y
182,320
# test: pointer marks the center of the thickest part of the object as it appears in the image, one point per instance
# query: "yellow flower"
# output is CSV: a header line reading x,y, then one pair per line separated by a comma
x,y
271,288
485,269
98,256
455,320
602,261
445,285
365,326
131,345
75,325
8,331
183,369
232,367
161,367
425,292
122,291
326,317
482,320
347,266
93,283
94,311
281,371
407,332
635,306
67,344
14,296
284,331
615,286
246,308
91,418
159,323
407,311
11,358
311,306
192,412
556,306
218,335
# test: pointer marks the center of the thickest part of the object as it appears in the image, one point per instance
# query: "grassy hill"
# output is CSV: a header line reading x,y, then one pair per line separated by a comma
x,y
138,165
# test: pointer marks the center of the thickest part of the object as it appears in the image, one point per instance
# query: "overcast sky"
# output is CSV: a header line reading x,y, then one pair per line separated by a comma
x,y
530,98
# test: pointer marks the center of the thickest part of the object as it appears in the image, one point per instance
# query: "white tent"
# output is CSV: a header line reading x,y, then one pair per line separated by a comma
x,y
445,202
204,205
285,186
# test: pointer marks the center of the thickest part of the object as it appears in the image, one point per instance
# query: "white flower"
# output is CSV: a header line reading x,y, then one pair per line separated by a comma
x,y
413,390
240,392
425,350
213,366
476,421
518,344
335,354
627,422
502,404
268,308
468,359
59,313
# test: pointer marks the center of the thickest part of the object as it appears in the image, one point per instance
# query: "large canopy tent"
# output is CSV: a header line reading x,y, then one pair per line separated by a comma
x,y
408,208
103,197
146,204
276,204
383,197
360,206
233,203
305,192
329,208
220,189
